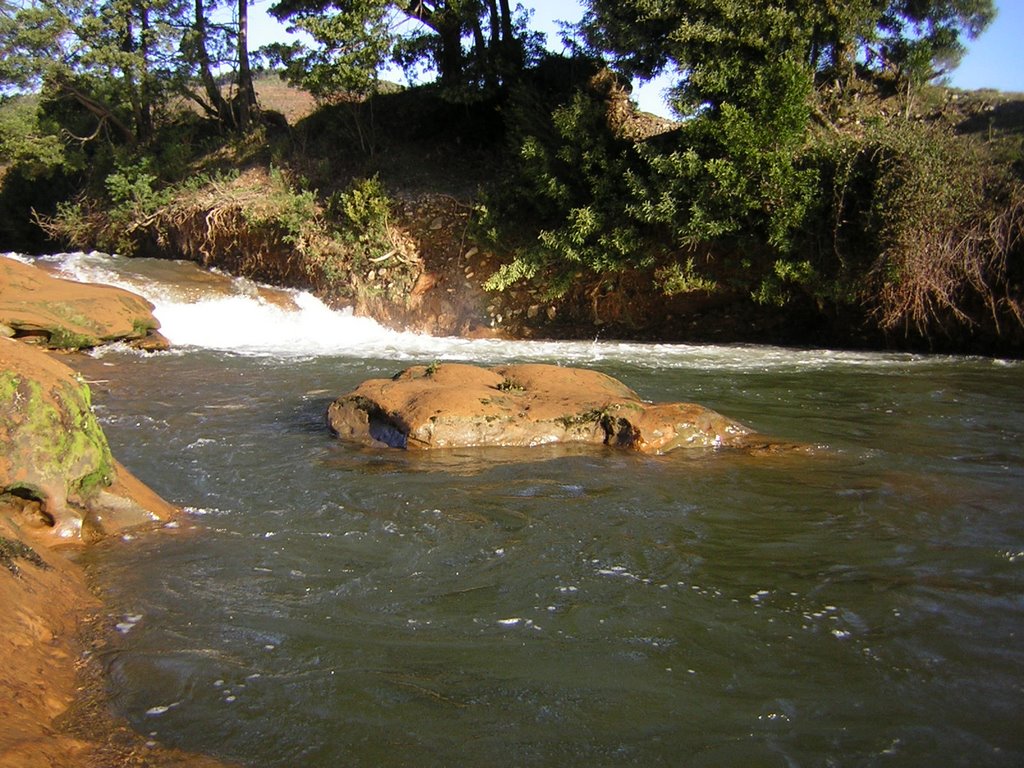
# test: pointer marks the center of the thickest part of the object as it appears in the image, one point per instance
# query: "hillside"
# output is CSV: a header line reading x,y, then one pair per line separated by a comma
x,y
400,206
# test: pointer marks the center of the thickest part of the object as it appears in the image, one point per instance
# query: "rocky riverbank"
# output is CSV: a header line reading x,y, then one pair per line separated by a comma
x,y
61,489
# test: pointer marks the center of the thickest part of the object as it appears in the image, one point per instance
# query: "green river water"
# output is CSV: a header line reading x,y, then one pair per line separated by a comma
x,y
327,605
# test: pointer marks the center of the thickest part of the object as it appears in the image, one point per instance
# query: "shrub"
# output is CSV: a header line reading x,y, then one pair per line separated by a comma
x,y
924,249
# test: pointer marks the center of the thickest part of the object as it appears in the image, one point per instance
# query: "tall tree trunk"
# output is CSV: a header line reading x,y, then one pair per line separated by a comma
x,y
246,89
507,33
482,53
450,60
492,14
144,121
216,101
130,80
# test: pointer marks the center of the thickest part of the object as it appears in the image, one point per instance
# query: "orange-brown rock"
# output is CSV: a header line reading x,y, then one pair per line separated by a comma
x,y
64,314
456,405
59,484
55,464
44,597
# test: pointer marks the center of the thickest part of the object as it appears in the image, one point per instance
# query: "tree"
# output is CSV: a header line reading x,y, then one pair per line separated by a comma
x,y
746,76
121,61
714,43
109,56
468,42
246,91
208,47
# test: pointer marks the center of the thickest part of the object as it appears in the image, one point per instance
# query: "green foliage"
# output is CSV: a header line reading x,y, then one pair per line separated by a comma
x,y
786,277
714,45
362,212
354,39
125,63
353,45
134,194
602,202
519,269
290,211
567,183
676,278
112,57
736,171
130,187
25,142
364,206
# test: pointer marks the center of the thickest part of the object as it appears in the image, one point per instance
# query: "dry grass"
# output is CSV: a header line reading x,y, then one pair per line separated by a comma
x,y
275,94
938,268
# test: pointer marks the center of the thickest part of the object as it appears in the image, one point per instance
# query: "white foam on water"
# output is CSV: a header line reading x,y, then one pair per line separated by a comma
x,y
240,319
162,708
248,324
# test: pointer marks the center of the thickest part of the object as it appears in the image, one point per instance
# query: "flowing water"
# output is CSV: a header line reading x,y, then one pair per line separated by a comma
x,y
338,606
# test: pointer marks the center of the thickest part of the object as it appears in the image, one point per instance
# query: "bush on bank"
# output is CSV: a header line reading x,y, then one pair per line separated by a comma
x,y
903,227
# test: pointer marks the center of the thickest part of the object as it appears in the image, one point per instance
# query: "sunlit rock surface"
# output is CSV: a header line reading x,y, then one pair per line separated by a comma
x,y
454,405
56,469
64,314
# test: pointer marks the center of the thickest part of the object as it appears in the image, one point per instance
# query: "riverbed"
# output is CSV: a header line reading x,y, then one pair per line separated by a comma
x,y
555,606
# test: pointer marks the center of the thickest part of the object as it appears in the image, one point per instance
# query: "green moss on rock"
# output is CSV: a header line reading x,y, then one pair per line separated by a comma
x,y
56,433
62,338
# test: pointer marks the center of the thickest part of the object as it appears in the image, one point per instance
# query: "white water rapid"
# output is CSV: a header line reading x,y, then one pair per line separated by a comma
x,y
211,310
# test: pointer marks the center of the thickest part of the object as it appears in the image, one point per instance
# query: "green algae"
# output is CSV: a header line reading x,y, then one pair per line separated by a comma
x,y
62,338
8,388
59,435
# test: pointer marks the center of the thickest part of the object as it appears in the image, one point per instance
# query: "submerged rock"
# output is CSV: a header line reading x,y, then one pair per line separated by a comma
x,y
56,469
456,405
64,314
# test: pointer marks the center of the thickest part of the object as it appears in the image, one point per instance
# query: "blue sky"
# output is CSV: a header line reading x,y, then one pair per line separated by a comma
x,y
994,60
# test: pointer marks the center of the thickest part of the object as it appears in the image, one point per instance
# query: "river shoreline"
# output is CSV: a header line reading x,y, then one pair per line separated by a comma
x,y
56,634
61,491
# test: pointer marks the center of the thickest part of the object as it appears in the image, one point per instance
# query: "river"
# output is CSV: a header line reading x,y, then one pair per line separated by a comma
x,y
339,606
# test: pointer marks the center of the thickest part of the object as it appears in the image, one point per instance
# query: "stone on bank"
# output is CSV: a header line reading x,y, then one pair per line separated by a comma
x,y
56,468
64,314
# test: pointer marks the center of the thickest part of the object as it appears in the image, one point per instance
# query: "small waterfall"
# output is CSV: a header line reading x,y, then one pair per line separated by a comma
x,y
212,310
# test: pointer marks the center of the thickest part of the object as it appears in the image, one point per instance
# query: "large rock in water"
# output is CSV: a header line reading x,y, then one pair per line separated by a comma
x,y
56,468
455,405
64,314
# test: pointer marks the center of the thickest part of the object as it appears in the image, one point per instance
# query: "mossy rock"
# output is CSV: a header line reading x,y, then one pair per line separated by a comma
x,y
55,464
52,449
